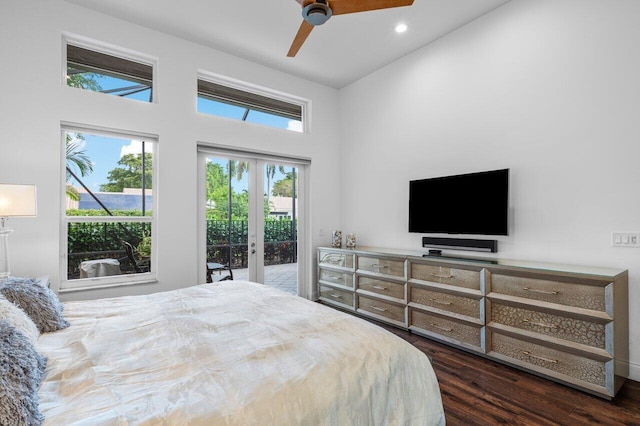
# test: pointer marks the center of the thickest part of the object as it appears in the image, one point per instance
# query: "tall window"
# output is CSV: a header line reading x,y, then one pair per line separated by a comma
x,y
91,69
108,199
230,101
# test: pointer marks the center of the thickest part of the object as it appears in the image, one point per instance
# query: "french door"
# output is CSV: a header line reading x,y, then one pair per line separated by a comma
x,y
252,217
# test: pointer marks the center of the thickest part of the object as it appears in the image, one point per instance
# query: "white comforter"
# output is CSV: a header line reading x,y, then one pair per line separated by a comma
x,y
234,353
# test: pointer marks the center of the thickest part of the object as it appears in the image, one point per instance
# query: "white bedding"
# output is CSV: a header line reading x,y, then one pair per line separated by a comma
x,y
235,353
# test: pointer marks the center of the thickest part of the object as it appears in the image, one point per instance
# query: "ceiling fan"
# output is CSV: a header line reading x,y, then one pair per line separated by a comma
x,y
317,12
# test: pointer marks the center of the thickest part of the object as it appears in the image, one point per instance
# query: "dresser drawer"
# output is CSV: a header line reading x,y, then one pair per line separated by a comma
x,y
563,293
335,258
381,266
445,275
574,330
382,287
336,296
382,308
335,277
444,301
548,360
450,329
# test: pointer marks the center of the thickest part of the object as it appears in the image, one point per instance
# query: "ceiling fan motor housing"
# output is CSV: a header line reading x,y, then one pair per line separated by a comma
x,y
316,13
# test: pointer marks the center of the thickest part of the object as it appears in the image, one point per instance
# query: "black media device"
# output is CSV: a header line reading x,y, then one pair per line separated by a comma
x,y
459,244
473,203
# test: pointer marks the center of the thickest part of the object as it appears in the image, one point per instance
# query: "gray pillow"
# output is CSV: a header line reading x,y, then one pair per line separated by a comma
x,y
39,302
21,369
19,319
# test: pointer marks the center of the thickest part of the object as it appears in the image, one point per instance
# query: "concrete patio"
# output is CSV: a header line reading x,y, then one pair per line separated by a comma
x,y
283,277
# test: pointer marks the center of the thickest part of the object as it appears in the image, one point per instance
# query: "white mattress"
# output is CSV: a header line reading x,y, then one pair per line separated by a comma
x,y
234,353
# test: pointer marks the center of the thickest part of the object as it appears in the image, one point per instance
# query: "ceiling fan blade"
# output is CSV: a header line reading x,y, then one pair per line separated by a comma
x,y
341,7
303,33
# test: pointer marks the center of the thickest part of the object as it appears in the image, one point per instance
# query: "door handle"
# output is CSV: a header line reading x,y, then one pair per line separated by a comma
x,y
253,251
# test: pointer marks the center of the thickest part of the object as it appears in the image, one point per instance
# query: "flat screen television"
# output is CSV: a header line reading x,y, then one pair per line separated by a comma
x,y
474,203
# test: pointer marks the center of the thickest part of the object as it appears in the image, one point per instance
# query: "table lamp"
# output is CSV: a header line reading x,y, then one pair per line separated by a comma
x,y
15,201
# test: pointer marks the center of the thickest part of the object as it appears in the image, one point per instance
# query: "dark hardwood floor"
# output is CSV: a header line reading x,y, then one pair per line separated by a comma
x,y
477,391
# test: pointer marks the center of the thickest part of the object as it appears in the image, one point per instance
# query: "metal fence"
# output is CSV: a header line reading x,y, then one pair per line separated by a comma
x,y
227,242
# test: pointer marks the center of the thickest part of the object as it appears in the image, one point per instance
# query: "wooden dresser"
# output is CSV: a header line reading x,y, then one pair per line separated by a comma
x,y
564,322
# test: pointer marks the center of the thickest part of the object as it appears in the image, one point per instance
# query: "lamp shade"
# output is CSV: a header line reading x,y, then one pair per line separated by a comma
x,y
17,200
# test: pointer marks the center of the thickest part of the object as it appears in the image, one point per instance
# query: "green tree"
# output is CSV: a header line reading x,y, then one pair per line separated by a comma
x,y
237,168
84,80
129,174
218,191
76,160
217,181
271,172
283,187
76,156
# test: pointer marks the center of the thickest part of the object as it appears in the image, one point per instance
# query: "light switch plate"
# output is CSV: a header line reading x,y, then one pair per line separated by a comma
x,y
625,239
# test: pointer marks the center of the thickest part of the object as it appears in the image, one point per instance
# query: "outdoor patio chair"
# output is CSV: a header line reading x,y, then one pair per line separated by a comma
x,y
219,268
138,266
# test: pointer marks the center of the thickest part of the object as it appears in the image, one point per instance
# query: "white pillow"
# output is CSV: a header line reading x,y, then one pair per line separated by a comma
x,y
18,318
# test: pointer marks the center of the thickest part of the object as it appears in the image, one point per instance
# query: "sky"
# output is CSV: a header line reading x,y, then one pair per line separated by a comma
x,y
105,152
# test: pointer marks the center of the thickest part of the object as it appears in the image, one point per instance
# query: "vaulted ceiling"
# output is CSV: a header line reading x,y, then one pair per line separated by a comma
x,y
337,53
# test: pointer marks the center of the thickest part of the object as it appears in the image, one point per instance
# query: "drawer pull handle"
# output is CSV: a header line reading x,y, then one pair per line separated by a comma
x,y
332,259
378,287
540,324
441,302
434,325
442,276
540,291
541,358
335,296
378,309
379,266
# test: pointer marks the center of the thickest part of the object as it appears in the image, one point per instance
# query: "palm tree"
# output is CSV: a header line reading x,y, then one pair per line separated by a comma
x,y
271,172
76,158
237,168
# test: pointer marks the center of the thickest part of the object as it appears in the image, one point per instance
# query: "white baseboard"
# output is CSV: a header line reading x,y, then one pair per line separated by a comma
x,y
634,372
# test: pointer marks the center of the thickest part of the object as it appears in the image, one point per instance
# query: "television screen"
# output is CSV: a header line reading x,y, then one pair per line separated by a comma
x,y
474,203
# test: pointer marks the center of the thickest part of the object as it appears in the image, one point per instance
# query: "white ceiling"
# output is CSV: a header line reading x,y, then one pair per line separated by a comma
x,y
336,54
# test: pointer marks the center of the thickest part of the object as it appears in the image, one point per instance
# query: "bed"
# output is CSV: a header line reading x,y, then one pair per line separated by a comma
x,y
233,352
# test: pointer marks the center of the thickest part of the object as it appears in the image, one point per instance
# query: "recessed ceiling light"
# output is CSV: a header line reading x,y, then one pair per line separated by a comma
x,y
400,28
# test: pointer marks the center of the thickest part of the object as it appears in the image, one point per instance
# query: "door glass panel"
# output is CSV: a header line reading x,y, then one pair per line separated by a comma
x,y
280,227
227,215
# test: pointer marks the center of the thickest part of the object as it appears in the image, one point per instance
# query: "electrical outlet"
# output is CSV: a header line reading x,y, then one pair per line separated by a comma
x,y
625,239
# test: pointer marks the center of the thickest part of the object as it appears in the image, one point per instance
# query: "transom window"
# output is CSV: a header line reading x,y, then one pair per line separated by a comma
x,y
106,73
109,206
223,100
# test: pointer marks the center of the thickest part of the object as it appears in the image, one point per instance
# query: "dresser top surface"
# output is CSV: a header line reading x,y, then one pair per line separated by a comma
x,y
488,262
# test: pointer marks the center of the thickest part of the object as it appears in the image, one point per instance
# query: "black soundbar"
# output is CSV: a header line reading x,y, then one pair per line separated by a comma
x,y
461,244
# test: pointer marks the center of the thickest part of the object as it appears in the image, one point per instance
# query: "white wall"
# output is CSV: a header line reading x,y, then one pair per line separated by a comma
x,y
547,88
34,101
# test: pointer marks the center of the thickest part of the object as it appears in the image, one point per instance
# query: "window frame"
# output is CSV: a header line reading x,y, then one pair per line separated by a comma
x,y
111,50
67,285
249,88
